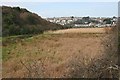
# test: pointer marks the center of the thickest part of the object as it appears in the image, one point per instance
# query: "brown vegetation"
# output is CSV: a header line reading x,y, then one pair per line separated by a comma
x,y
85,30
70,55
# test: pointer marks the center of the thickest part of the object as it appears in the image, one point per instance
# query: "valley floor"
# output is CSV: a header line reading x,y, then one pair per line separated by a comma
x,y
81,55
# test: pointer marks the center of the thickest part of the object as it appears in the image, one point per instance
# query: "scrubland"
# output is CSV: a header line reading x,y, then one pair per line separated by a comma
x,y
66,55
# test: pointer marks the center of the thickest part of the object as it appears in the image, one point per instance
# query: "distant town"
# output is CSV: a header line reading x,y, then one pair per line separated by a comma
x,y
84,21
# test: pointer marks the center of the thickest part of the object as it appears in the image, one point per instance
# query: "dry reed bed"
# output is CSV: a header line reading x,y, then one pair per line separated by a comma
x,y
84,30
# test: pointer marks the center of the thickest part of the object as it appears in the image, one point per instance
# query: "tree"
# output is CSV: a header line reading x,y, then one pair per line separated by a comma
x,y
107,21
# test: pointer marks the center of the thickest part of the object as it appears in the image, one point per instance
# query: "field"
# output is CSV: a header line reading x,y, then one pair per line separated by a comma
x,y
83,30
64,53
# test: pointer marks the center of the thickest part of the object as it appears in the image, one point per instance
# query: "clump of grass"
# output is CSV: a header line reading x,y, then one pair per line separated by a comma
x,y
6,52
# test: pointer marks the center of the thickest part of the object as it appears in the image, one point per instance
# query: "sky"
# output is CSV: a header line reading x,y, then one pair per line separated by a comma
x,y
66,9
59,0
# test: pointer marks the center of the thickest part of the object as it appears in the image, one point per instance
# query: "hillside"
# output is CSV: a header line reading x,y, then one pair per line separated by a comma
x,y
19,21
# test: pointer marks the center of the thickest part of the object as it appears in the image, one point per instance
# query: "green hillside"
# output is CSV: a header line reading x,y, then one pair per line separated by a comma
x,y
19,21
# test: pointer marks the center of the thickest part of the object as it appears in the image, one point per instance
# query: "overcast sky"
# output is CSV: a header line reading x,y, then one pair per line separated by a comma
x,y
59,9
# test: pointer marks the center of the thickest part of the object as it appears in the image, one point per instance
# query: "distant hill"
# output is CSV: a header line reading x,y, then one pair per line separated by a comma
x,y
19,21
